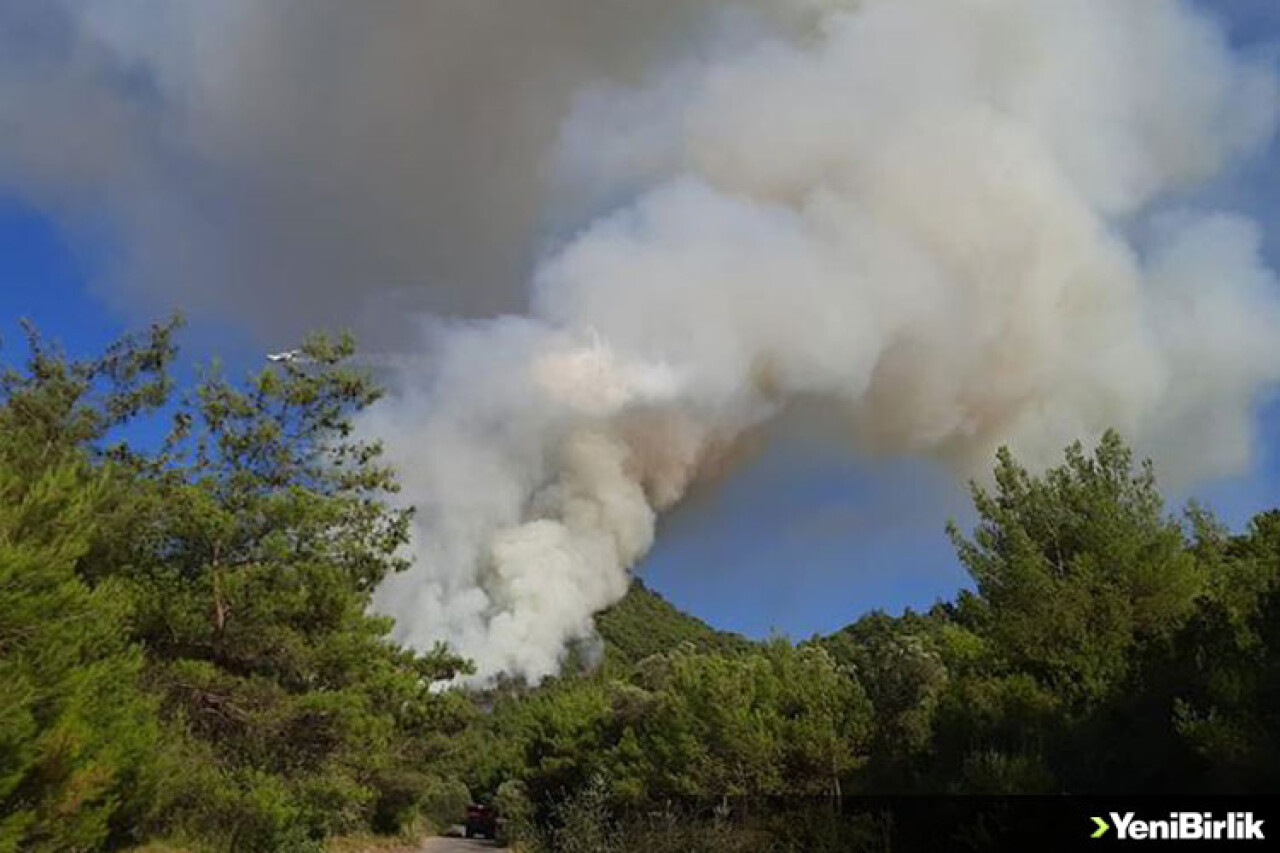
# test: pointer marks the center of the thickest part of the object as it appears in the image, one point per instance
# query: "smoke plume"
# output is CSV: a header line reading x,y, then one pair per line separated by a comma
x,y
916,209
297,163
921,212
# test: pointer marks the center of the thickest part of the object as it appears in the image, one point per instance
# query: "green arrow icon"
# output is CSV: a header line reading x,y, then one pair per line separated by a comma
x,y
1102,827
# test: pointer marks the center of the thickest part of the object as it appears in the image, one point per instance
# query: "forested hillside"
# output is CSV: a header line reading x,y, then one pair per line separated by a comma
x,y
187,656
644,623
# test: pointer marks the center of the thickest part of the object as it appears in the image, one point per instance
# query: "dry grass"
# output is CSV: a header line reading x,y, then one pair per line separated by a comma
x,y
372,844
364,843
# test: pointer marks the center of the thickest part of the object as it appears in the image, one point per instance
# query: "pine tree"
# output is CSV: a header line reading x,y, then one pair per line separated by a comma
x,y
76,731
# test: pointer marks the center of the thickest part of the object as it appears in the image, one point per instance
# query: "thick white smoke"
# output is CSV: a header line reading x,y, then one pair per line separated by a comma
x,y
955,220
917,209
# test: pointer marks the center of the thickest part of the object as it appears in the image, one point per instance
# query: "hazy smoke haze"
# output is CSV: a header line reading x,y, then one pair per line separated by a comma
x,y
916,211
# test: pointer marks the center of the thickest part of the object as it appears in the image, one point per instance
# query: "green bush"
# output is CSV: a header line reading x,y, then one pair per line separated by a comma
x,y
444,802
397,797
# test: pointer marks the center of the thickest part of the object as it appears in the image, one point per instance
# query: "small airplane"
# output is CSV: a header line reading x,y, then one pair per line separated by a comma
x,y
297,356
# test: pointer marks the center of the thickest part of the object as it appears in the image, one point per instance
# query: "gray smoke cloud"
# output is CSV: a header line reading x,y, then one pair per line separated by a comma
x,y
295,163
914,212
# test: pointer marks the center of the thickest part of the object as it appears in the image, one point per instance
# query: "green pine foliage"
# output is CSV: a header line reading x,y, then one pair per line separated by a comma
x,y
75,728
644,623
187,651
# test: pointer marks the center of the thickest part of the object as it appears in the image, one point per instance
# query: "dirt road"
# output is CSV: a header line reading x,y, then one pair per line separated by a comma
x,y
455,845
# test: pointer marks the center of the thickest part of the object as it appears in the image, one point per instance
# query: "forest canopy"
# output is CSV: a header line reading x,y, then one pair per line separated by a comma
x,y
187,653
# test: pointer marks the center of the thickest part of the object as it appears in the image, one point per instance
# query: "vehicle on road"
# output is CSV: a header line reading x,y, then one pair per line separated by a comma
x,y
482,822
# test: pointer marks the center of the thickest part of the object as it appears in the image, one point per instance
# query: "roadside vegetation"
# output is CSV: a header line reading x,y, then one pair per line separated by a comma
x,y
187,660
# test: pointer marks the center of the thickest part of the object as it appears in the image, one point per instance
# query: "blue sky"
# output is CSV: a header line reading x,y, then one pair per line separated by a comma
x,y
803,539
45,280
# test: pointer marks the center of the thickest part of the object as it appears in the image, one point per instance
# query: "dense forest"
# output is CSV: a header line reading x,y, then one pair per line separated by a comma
x,y
188,661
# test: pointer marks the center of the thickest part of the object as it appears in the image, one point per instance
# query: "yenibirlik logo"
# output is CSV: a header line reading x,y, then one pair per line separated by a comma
x,y
1183,826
